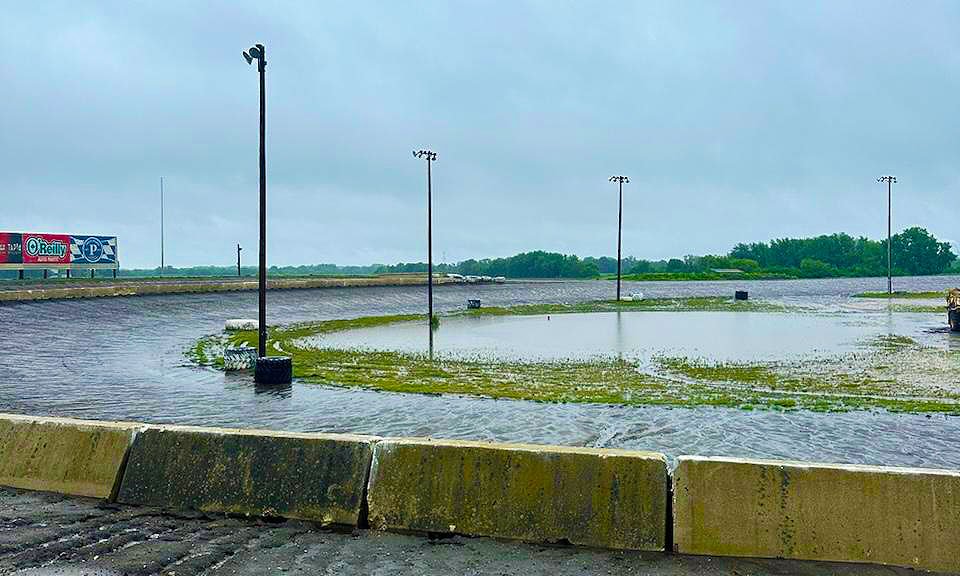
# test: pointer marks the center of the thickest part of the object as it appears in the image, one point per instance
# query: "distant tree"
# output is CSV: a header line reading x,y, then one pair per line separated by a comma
x,y
811,268
917,252
676,265
640,267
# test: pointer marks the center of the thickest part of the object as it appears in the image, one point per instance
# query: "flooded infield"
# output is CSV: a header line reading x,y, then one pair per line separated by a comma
x,y
713,336
123,358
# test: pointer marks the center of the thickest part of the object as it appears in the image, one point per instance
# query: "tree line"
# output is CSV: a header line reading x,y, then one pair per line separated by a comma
x,y
914,251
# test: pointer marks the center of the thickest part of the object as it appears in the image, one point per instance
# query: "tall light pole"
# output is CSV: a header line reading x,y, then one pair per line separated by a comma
x,y
238,259
275,369
430,157
890,180
620,180
161,225
258,53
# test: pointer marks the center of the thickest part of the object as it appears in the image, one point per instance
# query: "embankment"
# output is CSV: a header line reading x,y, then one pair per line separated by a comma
x,y
141,287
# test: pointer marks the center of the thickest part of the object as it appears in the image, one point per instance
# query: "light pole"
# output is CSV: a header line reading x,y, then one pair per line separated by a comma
x,y
890,180
431,157
258,53
161,225
275,369
620,180
238,259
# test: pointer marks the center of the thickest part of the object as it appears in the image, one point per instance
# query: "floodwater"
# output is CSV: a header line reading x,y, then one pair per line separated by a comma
x,y
122,358
714,336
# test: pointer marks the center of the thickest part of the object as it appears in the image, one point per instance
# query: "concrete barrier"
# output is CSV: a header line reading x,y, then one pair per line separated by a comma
x,y
897,516
592,497
75,457
318,477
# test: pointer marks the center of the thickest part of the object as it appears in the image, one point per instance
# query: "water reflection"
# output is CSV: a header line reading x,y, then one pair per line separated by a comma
x,y
284,391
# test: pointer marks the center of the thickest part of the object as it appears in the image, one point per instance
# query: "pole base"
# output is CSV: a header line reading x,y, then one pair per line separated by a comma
x,y
273,370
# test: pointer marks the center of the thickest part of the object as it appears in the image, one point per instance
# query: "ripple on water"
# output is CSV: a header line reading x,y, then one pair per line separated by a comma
x,y
122,358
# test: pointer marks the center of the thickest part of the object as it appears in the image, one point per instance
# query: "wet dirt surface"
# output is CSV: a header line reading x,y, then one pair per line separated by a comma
x,y
123,359
51,534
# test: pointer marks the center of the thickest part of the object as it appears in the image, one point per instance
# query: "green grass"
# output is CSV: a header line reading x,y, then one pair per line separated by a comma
x,y
872,379
903,295
694,304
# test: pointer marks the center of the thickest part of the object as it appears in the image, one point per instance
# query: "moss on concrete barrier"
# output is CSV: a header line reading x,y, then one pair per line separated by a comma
x,y
592,497
63,455
317,477
897,516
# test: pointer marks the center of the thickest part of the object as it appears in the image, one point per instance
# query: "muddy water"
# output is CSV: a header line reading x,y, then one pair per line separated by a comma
x,y
122,358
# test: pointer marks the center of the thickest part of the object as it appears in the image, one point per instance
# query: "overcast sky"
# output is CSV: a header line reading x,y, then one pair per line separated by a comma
x,y
735,121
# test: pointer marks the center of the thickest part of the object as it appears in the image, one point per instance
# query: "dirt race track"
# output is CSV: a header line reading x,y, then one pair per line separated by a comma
x,y
47,534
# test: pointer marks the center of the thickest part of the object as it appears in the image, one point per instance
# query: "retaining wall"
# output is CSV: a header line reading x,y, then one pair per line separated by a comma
x,y
602,498
898,516
318,477
75,457
80,288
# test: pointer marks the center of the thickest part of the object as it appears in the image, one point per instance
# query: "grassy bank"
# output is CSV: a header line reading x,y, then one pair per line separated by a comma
x,y
903,295
891,373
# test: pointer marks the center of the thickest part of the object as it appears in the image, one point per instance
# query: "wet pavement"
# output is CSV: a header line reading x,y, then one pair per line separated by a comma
x,y
46,534
123,358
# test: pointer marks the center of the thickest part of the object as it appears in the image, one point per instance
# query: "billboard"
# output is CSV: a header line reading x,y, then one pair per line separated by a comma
x,y
24,250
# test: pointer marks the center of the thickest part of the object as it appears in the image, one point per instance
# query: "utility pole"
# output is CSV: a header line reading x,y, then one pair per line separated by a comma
x,y
431,158
161,225
620,180
238,259
890,180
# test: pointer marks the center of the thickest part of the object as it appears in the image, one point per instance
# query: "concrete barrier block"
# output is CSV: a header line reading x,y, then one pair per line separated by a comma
x,y
63,455
318,477
896,516
591,497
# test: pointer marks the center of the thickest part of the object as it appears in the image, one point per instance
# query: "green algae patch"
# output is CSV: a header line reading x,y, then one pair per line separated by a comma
x,y
583,496
316,477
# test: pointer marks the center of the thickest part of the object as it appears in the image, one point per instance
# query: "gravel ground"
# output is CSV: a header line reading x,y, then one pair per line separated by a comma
x,y
47,534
